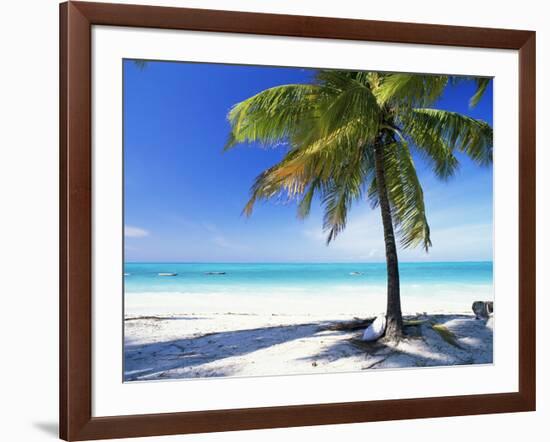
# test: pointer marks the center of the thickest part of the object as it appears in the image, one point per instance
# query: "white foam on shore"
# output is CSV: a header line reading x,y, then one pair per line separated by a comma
x,y
356,302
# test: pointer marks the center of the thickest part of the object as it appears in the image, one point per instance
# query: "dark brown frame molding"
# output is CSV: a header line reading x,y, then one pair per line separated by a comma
x,y
76,421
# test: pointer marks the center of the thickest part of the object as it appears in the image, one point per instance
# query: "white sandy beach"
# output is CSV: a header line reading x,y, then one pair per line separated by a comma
x,y
221,342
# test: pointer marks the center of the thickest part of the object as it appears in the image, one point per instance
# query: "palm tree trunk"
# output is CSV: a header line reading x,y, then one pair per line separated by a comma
x,y
394,318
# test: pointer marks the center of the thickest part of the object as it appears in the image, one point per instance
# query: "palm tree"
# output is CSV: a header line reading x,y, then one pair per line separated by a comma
x,y
349,138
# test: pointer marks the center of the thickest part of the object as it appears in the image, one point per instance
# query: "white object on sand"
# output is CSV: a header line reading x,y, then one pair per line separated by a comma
x,y
376,329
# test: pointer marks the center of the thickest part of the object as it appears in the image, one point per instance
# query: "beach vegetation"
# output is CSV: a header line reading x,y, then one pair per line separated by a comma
x,y
447,335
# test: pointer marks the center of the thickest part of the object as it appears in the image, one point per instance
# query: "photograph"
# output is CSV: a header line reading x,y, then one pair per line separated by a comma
x,y
291,220
260,221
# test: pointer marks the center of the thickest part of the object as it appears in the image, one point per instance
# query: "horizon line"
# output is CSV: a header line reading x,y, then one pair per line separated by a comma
x,y
303,262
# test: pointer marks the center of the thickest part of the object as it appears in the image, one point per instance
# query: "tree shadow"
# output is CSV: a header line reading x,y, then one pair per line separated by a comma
x,y
342,349
177,358
411,351
152,360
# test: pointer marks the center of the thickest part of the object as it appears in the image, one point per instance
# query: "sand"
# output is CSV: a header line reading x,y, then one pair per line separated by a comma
x,y
212,344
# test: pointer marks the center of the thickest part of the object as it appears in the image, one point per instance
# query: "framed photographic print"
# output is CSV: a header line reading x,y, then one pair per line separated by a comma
x,y
272,220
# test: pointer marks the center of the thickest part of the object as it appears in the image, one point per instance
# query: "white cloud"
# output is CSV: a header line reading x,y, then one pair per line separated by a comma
x,y
135,232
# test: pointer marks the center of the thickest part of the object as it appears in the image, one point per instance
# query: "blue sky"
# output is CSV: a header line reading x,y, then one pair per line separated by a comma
x,y
184,196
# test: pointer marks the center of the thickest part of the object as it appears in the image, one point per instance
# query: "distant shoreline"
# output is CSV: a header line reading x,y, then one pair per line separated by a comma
x,y
302,288
307,262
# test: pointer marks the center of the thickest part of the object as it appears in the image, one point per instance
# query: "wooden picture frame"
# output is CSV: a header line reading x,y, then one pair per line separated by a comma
x,y
76,21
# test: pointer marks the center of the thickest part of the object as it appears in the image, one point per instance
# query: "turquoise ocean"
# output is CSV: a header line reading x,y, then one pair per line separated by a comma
x,y
452,284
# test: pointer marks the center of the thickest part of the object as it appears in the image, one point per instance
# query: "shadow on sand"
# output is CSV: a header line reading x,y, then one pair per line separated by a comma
x,y
422,346
151,360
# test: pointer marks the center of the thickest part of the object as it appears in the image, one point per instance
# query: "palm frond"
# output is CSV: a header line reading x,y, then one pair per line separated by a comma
x,y
431,146
304,207
330,149
468,135
406,196
286,179
410,90
342,189
272,115
140,64
482,84
345,97
314,168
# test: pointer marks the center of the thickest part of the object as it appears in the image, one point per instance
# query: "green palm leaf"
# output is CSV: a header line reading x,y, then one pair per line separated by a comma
x,y
468,135
287,179
482,85
271,116
406,197
313,168
431,146
346,97
344,187
410,90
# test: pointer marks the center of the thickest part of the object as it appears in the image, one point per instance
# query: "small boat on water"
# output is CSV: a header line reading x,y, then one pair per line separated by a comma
x,y
356,273
214,273
167,274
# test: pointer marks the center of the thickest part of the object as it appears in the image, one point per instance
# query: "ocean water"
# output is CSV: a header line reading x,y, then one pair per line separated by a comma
x,y
445,286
